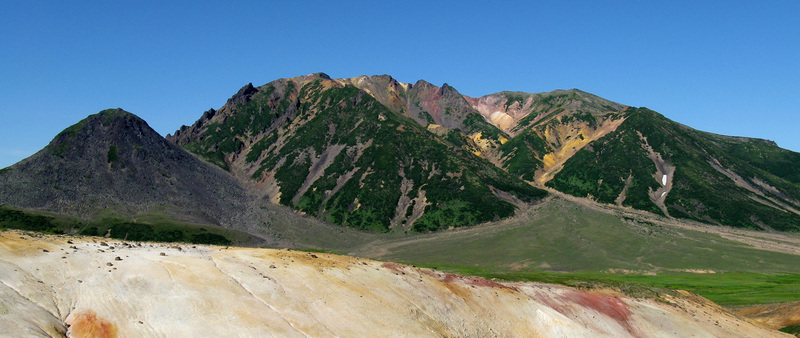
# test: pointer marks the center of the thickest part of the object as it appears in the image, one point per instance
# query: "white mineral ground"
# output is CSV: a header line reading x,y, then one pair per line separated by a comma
x,y
57,286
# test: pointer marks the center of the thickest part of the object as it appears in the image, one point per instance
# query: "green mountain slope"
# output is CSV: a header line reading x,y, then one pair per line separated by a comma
x,y
654,164
333,151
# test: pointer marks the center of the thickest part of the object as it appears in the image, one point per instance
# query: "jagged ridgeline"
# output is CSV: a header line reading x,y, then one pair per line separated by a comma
x,y
652,163
332,150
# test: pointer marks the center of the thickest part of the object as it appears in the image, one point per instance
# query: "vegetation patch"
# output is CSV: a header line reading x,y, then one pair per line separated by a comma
x,y
161,231
112,155
15,219
727,289
792,329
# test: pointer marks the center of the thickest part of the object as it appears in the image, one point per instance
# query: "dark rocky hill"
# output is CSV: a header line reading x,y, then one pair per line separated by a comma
x,y
114,163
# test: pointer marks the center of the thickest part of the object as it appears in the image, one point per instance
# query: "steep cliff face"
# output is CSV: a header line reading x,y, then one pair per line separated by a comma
x,y
66,286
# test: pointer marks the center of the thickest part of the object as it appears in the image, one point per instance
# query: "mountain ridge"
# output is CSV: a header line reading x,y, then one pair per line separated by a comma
x,y
359,163
374,153
534,136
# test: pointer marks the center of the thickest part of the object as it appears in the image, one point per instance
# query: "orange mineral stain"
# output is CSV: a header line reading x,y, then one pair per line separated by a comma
x,y
88,324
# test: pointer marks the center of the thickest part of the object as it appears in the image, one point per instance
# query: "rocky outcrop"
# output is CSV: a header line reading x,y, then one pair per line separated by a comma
x,y
66,286
243,95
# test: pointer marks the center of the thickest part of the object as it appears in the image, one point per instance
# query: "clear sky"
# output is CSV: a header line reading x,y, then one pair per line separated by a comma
x,y
729,67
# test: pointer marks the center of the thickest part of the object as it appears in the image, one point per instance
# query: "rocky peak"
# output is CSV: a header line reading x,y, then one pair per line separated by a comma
x,y
243,96
108,123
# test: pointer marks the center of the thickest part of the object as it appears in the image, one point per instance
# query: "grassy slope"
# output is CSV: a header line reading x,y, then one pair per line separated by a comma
x,y
564,236
579,245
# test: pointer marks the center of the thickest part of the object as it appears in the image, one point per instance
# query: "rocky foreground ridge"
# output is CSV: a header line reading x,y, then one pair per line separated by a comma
x,y
69,286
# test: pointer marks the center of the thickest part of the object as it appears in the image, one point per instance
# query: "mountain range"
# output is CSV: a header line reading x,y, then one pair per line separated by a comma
x,y
376,154
513,185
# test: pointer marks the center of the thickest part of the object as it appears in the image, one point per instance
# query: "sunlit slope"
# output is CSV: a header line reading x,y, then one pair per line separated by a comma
x,y
333,151
652,163
546,128
67,286
562,235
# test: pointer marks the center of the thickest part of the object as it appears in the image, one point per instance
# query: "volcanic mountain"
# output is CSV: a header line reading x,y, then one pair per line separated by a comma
x,y
332,150
374,153
113,162
310,162
377,154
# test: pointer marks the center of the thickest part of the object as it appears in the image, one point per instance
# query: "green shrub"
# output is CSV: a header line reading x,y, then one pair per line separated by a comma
x,y
112,155
209,238
14,219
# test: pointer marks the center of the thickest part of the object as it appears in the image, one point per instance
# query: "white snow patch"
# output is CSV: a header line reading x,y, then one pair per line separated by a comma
x,y
664,180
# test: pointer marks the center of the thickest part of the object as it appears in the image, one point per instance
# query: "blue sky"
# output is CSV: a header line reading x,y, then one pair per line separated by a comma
x,y
727,67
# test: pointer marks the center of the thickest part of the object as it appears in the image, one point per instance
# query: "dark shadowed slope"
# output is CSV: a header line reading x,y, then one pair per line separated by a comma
x,y
113,162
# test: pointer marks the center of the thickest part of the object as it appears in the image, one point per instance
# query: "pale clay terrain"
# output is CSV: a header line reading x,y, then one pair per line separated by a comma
x,y
57,286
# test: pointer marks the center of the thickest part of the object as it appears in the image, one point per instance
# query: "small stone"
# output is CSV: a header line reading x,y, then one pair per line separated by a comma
x,y
271,266
103,244
117,258
45,250
109,264
162,254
